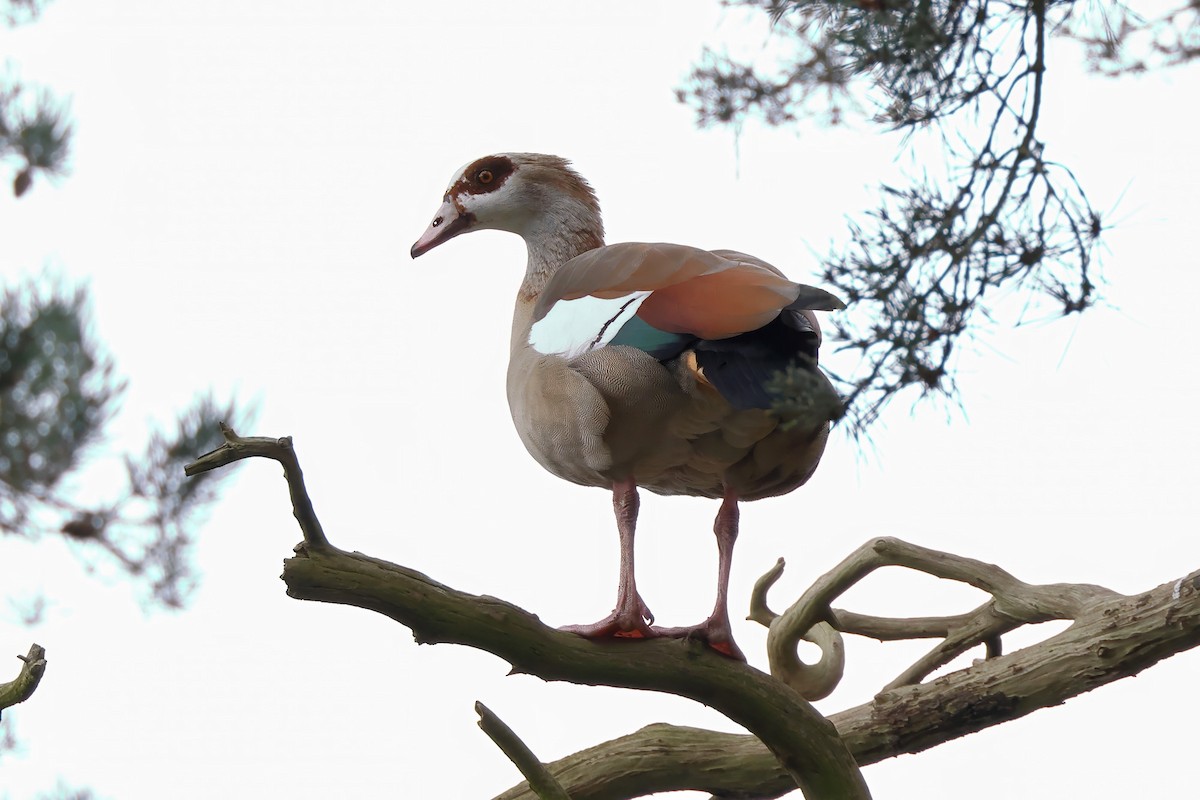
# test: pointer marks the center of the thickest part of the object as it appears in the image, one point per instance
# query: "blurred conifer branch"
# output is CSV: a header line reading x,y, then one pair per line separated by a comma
x,y
35,133
58,391
19,12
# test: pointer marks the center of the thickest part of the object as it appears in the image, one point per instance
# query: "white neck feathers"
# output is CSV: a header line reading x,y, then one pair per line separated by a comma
x,y
566,225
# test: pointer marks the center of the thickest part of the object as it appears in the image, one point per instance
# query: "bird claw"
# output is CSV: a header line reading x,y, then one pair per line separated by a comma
x,y
617,626
716,635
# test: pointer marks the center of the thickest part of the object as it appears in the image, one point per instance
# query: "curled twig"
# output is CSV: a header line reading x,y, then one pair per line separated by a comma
x,y
812,681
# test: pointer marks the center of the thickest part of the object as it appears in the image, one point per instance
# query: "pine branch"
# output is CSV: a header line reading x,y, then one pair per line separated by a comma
x,y
922,272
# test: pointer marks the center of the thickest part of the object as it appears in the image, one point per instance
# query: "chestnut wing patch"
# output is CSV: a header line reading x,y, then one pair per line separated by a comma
x,y
740,316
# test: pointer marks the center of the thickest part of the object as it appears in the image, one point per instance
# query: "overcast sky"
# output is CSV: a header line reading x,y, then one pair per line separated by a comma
x,y
247,179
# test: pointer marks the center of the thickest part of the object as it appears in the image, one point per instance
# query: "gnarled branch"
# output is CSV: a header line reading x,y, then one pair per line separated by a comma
x,y
804,742
238,447
1015,603
1113,637
812,681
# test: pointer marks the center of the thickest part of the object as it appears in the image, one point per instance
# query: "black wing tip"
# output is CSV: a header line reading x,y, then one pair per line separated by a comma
x,y
810,298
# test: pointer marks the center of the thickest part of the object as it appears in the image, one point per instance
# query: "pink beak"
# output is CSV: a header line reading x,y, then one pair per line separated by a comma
x,y
447,223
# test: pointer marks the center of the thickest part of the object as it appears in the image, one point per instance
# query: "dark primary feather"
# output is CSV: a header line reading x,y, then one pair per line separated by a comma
x,y
741,366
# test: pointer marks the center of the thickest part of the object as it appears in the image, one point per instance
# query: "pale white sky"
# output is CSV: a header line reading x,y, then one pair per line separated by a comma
x,y
247,179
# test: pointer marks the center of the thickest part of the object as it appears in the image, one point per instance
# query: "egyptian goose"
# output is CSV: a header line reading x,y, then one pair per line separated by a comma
x,y
642,365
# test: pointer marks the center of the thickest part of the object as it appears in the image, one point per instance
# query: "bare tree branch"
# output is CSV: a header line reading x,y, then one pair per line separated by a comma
x,y
1114,637
805,743
540,781
800,737
22,687
1014,603
665,758
236,448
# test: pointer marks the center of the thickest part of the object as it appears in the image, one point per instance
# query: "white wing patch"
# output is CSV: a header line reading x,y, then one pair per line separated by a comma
x,y
574,327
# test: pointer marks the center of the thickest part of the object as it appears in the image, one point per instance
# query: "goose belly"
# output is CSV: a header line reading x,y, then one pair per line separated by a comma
x,y
754,458
617,413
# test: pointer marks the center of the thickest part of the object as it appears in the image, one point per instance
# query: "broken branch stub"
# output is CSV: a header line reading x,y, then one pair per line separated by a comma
x,y
23,686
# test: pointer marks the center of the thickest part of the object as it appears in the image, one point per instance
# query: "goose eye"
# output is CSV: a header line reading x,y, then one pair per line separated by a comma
x,y
484,176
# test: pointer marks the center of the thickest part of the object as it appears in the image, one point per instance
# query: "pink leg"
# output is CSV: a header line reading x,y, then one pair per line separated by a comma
x,y
716,629
631,618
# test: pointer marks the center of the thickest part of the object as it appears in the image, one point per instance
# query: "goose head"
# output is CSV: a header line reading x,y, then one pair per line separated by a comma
x,y
539,197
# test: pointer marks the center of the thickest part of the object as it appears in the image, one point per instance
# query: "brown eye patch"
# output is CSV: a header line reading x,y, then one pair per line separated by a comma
x,y
485,175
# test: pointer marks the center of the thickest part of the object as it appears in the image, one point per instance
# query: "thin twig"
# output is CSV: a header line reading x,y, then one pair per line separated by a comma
x,y
760,612
813,681
238,447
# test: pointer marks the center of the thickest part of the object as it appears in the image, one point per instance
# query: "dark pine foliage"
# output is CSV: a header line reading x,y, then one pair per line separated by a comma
x,y
924,268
